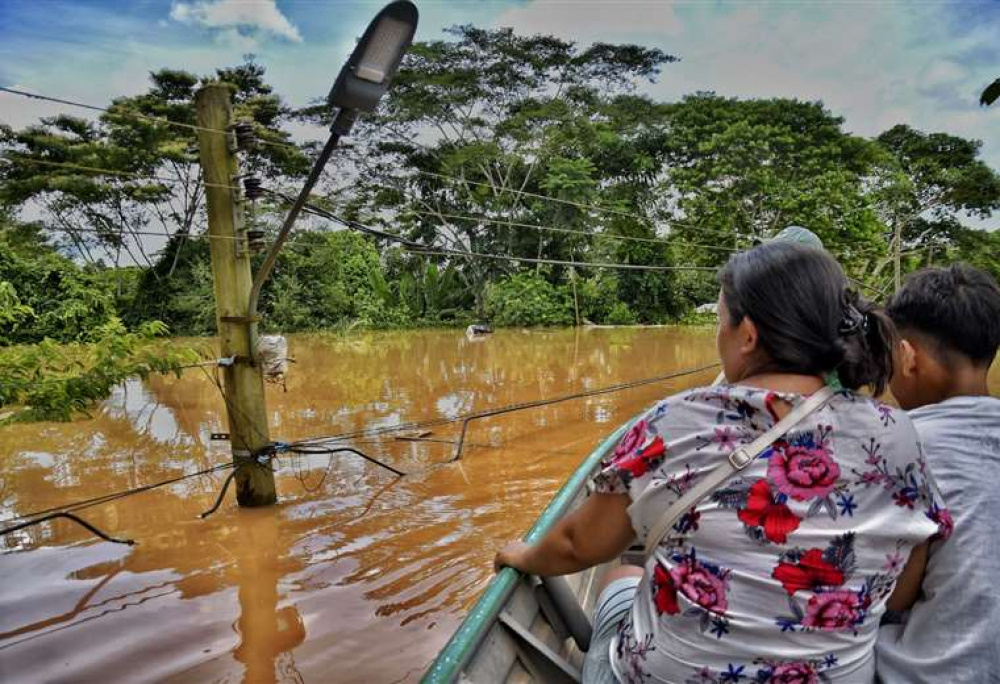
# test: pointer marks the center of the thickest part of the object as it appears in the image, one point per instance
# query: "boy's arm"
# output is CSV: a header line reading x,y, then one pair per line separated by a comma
x,y
907,589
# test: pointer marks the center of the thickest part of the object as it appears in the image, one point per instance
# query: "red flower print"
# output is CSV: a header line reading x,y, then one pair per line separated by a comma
x,y
802,471
641,462
833,610
945,523
810,573
793,673
701,585
632,439
664,591
777,519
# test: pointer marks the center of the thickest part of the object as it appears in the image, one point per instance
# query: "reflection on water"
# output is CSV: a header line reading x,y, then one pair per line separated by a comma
x,y
353,576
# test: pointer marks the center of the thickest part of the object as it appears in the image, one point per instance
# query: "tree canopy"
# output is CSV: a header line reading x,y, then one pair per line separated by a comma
x,y
492,147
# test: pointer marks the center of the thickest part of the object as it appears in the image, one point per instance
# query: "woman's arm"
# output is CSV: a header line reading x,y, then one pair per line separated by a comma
x,y
596,532
907,589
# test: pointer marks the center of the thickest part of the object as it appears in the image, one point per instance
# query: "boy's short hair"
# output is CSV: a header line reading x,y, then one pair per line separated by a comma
x,y
957,308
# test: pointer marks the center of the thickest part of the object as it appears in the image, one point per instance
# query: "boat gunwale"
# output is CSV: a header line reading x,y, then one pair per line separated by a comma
x,y
462,645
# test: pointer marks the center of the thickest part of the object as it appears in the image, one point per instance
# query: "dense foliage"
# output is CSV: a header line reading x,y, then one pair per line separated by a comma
x,y
62,345
537,152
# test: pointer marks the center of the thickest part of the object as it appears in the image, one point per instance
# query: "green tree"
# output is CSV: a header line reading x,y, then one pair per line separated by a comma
x,y
925,183
475,122
62,346
527,299
738,171
46,295
148,143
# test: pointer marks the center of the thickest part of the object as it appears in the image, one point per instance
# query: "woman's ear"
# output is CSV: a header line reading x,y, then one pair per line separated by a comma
x,y
746,336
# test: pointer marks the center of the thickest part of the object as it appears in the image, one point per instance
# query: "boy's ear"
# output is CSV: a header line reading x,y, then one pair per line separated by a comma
x,y
907,358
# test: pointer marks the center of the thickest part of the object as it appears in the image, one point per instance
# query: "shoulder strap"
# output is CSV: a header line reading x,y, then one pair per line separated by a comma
x,y
737,461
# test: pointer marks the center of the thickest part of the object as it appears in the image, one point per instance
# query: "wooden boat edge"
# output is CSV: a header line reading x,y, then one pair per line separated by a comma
x,y
483,617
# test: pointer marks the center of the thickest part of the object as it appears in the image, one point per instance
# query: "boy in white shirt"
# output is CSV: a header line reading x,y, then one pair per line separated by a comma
x,y
949,324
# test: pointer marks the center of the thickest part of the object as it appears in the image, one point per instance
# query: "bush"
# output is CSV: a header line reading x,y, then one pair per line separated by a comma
x,y
621,315
598,296
49,381
45,295
527,299
695,288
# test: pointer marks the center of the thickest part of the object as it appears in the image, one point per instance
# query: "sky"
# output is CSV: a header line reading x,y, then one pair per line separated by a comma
x,y
875,63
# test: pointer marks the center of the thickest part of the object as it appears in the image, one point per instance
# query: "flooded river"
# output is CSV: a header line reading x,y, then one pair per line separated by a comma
x,y
354,576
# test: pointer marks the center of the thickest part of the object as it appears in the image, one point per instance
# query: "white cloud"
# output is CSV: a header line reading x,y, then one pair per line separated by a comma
x,y
236,17
232,38
943,72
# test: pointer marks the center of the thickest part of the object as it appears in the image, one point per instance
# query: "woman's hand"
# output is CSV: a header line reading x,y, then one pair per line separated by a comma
x,y
511,556
599,530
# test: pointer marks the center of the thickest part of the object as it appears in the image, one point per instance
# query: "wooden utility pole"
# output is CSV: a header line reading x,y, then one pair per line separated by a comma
x,y
244,380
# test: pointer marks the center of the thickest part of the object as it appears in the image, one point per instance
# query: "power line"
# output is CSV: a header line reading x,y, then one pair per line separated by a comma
x,y
375,232
559,262
670,242
195,127
667,240
525,193
113,496
433,422
187,236
417,248
111,172
138,115
610,236
579,395
426,173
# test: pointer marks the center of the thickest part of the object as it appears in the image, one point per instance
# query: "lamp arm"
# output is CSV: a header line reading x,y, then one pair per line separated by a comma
x,y
341,127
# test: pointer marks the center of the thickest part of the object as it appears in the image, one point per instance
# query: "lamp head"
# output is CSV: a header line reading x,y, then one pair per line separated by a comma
x,y
365,77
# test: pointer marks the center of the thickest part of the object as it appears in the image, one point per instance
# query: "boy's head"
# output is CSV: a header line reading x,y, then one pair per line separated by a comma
x,y
949,326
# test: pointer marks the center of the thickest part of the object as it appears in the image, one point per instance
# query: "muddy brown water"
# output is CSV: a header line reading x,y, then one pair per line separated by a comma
x,y
354,576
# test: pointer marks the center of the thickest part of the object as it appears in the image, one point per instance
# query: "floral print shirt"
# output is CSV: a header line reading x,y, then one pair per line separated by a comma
x,y
780,575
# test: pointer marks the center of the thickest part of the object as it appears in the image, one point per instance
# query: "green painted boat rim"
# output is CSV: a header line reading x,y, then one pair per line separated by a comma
x,y
463,643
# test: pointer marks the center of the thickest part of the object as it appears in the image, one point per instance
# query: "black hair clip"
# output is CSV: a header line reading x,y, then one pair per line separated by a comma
x,y
853,322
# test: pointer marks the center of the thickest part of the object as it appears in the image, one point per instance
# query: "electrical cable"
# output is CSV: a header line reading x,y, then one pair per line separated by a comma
x,y
417,248
69,516
425,173
112,172
114,496
559,262
137,115
318,212
416,425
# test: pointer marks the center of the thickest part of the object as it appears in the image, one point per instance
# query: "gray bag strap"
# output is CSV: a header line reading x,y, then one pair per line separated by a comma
x,y
737,461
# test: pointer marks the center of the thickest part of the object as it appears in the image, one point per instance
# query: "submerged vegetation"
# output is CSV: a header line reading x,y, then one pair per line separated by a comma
x,y
493,144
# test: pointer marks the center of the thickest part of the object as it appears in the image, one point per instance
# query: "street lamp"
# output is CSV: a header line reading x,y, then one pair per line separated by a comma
x,y
362,82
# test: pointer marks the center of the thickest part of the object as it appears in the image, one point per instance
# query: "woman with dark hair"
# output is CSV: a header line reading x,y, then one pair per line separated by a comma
x,y
781,573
